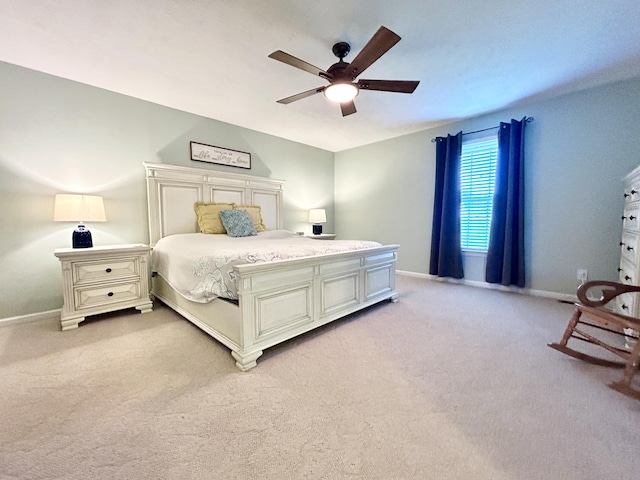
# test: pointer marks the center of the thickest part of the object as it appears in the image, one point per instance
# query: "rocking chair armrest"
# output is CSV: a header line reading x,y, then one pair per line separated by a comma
x,y
611,291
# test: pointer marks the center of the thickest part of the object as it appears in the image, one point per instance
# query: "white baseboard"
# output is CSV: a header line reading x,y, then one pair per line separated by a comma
x,y
33,317
474,283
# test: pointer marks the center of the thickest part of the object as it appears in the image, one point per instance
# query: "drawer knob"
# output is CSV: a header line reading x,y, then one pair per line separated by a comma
x,y
108,270
621,243
110,294
627,277
632,217
619,269
629,248
624,307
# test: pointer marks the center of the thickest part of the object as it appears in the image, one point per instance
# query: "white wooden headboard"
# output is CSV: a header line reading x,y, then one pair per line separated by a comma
x,y
172,191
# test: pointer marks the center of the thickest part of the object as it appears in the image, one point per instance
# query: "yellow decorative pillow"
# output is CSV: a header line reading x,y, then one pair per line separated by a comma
x,y
209,216
255,213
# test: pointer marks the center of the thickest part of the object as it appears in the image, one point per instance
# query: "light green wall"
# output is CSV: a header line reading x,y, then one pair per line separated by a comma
x,y
578,149
61,136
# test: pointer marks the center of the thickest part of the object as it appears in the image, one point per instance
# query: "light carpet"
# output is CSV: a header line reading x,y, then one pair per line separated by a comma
x,y
451,382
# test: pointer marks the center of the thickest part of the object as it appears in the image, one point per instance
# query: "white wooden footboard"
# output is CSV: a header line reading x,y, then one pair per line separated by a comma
x,y
281,300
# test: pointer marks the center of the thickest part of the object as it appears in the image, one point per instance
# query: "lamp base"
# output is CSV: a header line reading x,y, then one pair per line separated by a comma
x,y
317,229
82,237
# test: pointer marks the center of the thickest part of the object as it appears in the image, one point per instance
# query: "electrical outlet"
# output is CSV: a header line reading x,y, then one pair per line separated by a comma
x,y
581,274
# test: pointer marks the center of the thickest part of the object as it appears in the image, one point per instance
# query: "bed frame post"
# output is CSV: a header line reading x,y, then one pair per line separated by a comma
x,y
247,361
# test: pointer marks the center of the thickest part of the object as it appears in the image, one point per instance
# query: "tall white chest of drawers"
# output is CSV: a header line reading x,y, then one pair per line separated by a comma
x,y
103,279
629,268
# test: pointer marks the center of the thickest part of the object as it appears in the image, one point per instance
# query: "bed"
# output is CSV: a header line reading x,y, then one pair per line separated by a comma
x,y
273,299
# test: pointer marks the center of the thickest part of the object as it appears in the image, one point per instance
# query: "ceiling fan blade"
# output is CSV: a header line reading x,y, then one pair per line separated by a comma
x,y
348,108
379,44
301,64
300,96
400,86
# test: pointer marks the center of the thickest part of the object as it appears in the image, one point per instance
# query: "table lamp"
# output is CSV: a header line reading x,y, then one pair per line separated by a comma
x,y
80,209
317,216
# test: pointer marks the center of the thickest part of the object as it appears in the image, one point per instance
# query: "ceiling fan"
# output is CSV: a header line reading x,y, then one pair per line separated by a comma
x,y
341,76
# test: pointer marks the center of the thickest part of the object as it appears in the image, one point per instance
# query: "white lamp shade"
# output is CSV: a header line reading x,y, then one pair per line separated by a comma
x,y
341,92
78,208
317,215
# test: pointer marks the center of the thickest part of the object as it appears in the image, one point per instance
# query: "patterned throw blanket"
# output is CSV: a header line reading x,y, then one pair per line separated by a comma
x,y
200,266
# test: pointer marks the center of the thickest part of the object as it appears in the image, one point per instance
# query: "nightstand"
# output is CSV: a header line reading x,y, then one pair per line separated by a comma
x,y
103,279
322,236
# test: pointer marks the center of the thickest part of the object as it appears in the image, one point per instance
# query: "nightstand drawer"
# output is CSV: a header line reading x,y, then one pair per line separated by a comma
x,y
90,297
104,271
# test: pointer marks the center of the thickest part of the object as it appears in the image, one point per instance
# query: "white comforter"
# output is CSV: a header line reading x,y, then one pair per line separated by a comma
x,y
200,266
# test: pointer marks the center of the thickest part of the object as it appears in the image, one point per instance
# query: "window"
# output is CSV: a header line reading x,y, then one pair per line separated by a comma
x,y
477,179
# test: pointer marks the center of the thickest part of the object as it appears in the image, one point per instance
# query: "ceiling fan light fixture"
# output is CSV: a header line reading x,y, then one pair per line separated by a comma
x,y
342,76
341,92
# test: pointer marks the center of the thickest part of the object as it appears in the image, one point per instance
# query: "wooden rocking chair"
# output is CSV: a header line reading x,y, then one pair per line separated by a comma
x,y
611,322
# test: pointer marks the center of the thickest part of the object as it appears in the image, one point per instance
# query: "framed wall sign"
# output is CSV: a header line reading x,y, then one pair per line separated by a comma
x,y
222,156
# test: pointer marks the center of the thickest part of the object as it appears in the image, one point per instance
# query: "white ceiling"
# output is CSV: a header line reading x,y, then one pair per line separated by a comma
x,y
209,57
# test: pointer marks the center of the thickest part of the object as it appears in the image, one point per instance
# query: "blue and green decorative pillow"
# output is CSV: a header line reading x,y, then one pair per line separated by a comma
x,y
238,223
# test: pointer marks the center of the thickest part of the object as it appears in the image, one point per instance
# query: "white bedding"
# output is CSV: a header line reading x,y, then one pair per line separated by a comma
x,y
200,266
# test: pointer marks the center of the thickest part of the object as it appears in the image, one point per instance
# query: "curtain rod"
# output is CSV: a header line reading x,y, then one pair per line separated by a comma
x,y
527,119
